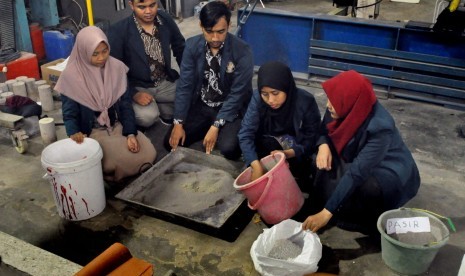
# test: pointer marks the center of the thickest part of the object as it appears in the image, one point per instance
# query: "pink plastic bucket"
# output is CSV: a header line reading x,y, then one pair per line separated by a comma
x,y
275,195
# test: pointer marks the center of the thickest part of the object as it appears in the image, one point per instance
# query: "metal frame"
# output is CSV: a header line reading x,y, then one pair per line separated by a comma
x,y
245,14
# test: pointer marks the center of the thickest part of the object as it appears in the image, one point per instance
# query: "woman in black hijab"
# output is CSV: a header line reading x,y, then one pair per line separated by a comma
x,y
280,117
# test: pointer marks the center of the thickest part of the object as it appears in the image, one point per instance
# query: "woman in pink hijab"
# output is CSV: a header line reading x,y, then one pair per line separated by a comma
x,y
95,104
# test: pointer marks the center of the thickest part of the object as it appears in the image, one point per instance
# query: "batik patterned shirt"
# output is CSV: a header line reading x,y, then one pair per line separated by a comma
x,y
153,50
211,92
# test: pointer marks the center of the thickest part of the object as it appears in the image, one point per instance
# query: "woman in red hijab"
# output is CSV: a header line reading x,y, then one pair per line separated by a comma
x,y
364,167
95,103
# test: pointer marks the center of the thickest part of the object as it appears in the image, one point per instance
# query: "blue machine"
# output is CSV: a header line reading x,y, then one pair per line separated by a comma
x,y
44,12
414,63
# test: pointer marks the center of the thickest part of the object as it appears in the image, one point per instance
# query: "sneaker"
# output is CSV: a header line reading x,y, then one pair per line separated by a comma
x,y
166,122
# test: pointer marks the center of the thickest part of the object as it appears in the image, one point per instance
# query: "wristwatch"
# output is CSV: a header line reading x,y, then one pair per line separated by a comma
x,y
219,123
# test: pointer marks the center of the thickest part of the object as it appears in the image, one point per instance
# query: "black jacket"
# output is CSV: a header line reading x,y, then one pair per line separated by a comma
x,y
127,46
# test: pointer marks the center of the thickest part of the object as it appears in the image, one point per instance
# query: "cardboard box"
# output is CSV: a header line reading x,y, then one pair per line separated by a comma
x,y
51,75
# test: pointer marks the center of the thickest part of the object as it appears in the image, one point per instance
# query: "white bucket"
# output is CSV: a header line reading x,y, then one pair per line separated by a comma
x,y
75,174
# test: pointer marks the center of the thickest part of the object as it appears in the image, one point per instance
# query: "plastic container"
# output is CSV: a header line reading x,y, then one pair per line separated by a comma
x,y
75,174
26,65
414,257
37,39
58,44
275,195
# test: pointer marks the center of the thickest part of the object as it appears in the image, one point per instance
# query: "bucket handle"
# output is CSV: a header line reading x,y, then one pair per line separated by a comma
x,y
263,195
449,221
49,174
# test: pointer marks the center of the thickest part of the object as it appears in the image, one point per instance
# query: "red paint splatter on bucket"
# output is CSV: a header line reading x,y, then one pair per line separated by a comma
x,y
71,188
72,206
63,198
87,206
63,205
55,189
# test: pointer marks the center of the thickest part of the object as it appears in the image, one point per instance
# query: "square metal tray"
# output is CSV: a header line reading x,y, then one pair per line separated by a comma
x,y
193,189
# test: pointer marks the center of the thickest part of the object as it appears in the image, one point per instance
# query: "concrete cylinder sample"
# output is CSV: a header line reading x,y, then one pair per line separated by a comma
x,y
4,96
10,84
3,87
46,98
19,89
21,78
39,83
47,130
31,88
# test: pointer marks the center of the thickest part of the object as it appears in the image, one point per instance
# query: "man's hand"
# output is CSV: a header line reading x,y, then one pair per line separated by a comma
x,y
324,157
143,98
210,139
133,144
317,221
78,137
257,170
177,134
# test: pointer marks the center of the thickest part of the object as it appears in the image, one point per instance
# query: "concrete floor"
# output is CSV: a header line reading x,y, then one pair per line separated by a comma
x,y
28,211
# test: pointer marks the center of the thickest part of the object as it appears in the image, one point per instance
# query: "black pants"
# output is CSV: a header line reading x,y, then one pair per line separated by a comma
x,y
360,211
197,124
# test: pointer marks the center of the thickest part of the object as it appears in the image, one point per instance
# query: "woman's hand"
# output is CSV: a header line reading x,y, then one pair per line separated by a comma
x,y
324,157
289,153
317,221
78,137
210,139
257,170
133,144
177,134
143,98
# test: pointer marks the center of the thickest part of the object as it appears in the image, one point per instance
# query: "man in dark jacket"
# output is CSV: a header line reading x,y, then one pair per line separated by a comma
x,y
215,86
143,42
